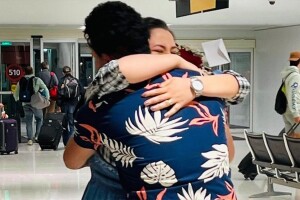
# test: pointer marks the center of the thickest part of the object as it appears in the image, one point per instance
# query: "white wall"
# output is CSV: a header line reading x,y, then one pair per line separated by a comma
x,y
271,55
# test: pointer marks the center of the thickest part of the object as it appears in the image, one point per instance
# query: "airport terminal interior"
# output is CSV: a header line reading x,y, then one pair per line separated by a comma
x,y
33,174
256,36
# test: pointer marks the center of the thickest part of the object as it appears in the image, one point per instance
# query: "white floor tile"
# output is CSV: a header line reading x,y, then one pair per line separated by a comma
x,y
41,175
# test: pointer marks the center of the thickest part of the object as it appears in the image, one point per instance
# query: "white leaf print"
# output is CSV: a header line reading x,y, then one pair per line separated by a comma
x,y
217,163
190,195
159,172
223,116
154,129
119,151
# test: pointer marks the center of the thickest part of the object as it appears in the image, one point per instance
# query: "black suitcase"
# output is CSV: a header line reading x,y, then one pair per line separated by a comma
x,y
8,136
18,119
51,131
247,168
55,116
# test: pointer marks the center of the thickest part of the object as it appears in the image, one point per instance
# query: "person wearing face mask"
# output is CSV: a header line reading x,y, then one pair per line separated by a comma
x,y
127,77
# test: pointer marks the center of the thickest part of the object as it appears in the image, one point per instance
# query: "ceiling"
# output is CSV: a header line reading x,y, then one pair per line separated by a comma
x,y
241,14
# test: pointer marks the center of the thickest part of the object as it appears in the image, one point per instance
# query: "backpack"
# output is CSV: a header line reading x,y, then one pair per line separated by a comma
x,y
280,100
71,88
26,89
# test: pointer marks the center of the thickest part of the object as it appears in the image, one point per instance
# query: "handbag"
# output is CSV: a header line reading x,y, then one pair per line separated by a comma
x,y
53,91
39,101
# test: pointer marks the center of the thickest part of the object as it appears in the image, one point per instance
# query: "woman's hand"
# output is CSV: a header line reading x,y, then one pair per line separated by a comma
x,y
173,92
1,105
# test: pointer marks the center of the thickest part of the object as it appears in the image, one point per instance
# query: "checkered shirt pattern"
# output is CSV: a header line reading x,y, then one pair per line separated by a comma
x,y
108,79
244,88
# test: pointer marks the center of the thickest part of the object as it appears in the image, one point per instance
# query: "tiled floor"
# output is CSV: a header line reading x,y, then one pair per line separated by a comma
x,y
41,175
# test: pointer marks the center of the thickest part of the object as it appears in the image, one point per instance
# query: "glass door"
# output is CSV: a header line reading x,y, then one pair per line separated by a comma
x,y
15,55
240,116
59,54
86,64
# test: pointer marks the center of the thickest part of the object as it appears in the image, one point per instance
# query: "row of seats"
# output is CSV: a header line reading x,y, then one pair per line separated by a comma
x,y
277,157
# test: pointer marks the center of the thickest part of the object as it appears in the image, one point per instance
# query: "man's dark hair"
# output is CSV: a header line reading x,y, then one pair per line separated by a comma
x,y
28,70
116,29
153,23
44,65
67,70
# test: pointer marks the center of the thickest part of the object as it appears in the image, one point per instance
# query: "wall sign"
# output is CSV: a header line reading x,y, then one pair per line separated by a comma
x,y
189,7
14,72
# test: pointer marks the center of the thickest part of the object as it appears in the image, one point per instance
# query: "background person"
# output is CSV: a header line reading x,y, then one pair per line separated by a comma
x,y
30,111
50,80
68,103
291,75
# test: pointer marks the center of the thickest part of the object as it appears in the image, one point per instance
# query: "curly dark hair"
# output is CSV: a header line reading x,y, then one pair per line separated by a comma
x,y
116,29
152,23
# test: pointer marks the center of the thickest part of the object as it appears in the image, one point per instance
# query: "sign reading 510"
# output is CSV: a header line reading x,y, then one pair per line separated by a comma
x,y
14,72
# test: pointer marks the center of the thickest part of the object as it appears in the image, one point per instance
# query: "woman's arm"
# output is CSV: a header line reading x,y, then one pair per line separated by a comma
x,y
75,156
231,86
178,91
118,74
230,144
140,67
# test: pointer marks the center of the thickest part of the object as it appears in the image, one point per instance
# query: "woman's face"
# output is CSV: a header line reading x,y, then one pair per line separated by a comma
x,y
162,42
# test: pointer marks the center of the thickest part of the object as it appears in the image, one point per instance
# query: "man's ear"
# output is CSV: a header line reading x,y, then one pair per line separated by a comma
x,y
106,58
103,57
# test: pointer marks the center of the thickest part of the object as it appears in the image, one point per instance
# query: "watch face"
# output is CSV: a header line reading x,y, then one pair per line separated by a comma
x,y
197,85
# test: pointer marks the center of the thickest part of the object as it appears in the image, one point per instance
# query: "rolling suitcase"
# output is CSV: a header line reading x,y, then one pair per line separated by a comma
x,y
247,168
8,136
51,131
55,116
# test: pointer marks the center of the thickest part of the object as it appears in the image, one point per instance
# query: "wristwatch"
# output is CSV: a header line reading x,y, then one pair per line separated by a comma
x,y
196,86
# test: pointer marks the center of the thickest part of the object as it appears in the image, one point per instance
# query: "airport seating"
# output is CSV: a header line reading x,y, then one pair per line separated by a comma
x,y
277,157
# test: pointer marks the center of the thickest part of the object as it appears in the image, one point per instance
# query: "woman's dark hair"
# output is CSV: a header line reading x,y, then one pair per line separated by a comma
x,y
116,29
153,23
28,70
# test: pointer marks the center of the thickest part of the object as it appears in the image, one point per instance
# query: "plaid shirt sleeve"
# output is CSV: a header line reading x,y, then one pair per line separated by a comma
x,y
110,78
244,88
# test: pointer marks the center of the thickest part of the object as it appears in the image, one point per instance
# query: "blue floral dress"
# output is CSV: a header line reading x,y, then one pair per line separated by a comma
x,y
181,157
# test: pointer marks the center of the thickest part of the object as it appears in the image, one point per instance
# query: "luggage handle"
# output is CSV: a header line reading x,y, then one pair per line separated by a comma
x,y
295,125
